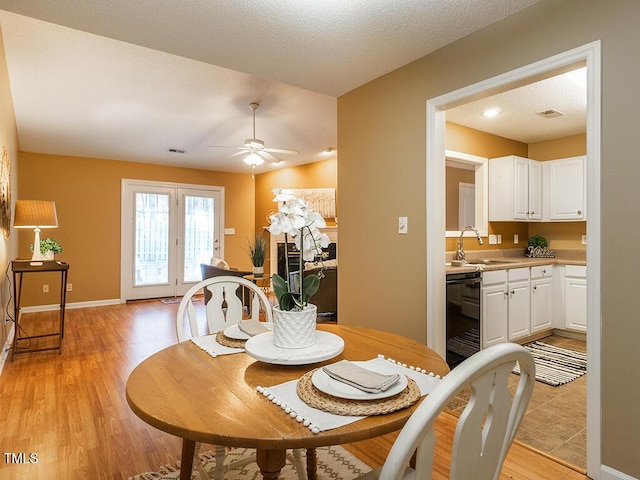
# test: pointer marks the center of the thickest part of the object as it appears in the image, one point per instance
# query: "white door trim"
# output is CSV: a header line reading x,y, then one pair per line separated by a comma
x,y
435,151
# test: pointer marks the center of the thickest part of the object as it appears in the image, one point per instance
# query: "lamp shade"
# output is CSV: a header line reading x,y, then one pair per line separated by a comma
x,y
35,214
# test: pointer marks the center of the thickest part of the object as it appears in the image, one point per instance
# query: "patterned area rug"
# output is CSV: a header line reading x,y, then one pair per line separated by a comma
x,y
334,463
556,366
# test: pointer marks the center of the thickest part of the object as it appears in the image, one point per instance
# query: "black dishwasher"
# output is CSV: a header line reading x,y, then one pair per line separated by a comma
x,y
463,316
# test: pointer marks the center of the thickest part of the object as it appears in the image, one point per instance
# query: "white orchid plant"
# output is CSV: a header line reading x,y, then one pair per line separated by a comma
x,y
295,219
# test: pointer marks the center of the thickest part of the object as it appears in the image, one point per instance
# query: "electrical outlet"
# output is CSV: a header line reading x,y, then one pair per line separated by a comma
x,y
499,239
515,239
584,239
493,239
45,288
69,287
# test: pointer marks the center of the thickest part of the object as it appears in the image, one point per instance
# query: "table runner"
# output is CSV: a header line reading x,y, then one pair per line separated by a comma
x,y
285,396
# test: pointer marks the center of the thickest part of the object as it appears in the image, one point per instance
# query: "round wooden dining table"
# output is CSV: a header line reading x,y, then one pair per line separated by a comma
x,y
184,391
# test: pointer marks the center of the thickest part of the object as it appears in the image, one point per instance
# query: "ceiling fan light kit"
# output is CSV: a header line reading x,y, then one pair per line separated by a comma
x,y
257,152
253,159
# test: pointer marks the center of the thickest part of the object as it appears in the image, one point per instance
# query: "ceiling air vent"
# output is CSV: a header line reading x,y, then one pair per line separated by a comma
x,y
551,113
176,150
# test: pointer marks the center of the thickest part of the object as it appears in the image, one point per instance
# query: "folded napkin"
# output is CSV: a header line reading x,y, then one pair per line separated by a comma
x,y
366,380
252,327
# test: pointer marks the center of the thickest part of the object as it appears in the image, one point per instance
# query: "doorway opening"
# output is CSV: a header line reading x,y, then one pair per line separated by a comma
x,y
436,131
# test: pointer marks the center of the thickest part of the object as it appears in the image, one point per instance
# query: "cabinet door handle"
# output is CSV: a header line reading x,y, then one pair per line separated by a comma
x,y
535,287
579,212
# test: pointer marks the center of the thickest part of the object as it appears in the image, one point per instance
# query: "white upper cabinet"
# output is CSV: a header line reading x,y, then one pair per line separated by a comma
x,y
515,189
564,189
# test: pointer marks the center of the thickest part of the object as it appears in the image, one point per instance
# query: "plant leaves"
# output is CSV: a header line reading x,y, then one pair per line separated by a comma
x,y
310,286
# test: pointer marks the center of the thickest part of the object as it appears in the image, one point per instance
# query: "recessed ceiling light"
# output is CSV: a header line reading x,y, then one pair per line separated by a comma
x,y
491,112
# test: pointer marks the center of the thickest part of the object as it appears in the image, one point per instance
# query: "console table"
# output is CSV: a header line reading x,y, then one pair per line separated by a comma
x,y
19,268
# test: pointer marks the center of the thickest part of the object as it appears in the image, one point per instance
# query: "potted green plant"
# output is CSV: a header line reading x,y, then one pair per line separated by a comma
x,y
48,247
257,250
296,220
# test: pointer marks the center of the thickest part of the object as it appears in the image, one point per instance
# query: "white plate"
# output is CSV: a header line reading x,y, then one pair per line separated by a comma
x,y
327,346
330,386
234,332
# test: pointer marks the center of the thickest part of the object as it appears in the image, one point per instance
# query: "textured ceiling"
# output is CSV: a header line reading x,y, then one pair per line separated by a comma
x,y
129,80
520,119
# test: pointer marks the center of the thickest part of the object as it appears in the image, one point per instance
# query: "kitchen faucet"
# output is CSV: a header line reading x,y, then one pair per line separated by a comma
x,y
460,251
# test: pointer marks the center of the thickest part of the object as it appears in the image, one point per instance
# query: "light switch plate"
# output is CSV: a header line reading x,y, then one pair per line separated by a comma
x,y
515,239
493,239
229,231
499,239
403,226
584,239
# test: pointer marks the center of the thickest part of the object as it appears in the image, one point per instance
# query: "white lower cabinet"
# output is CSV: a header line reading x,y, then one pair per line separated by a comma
x,y
575,305
542,296
495,308
516,303
519,303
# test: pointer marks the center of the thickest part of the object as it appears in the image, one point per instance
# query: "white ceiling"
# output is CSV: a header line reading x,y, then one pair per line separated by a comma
x,y
129,80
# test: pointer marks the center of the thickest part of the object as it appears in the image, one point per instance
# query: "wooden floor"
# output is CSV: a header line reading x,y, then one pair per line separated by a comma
x,y
69,411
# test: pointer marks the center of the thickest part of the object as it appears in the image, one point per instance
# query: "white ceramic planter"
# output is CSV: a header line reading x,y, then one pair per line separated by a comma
x,y
294,329
258,271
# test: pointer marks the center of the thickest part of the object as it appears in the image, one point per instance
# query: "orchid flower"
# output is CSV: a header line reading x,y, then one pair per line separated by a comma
x,y
296,219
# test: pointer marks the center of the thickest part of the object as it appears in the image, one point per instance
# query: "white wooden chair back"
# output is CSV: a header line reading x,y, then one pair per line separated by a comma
x,y
486,427
225,307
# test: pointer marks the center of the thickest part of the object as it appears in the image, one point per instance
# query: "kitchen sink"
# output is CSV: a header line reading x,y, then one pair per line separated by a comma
x,y
488,261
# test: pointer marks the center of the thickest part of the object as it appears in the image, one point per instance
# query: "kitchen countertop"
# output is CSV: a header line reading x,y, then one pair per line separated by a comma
x,y
514,259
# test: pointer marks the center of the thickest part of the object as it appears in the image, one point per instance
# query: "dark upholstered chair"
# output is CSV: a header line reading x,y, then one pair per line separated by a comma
x,y
326,298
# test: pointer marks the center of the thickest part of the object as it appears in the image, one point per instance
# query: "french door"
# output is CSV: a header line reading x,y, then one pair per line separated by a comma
x,y
168,230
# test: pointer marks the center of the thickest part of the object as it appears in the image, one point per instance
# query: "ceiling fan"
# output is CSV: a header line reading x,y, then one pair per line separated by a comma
x,y
257,152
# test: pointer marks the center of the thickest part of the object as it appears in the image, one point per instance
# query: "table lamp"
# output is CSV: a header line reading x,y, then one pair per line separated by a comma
x,y
35,214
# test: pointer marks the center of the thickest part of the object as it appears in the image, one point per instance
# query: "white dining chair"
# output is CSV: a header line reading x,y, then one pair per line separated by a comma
x,y
486,427
223,309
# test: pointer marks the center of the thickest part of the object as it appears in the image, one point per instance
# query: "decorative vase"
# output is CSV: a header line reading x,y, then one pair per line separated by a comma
x,y
294,329
258,271
48,255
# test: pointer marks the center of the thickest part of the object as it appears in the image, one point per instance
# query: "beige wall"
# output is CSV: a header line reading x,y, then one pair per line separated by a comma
x,y
314,175
8,140
565,147
382,175
87,195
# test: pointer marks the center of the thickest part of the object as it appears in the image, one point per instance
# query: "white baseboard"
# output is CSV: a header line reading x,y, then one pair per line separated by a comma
x,y
7,346
608,473
70,306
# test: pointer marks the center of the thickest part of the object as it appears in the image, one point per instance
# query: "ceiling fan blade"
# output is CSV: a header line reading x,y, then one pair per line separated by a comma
x,y
243,151
266,154
225,146
281,150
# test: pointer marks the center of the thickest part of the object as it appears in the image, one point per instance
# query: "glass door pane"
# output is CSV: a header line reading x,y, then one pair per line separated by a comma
x,y
199,230
151,239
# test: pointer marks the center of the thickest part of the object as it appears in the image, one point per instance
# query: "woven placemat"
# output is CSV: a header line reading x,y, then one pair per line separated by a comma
x,y
223,340
343,406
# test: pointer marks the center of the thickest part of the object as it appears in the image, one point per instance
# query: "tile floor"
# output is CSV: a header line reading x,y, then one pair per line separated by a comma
x,y
555,422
